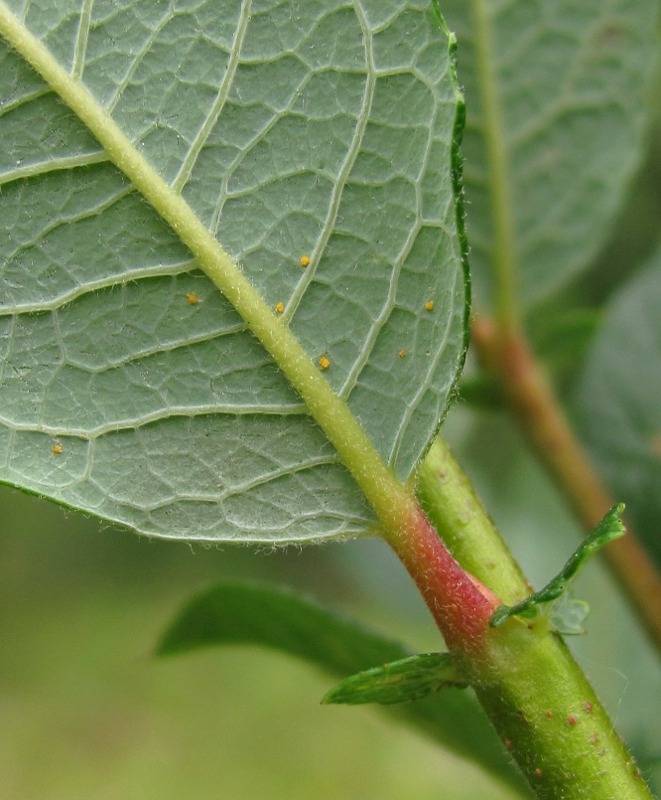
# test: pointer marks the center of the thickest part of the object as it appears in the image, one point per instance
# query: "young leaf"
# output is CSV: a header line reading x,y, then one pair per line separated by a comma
x,y
301,134
275,617
398,681
609,528
557,104
617,401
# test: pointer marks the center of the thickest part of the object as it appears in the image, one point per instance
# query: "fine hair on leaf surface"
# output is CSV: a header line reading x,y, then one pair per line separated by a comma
x,y
205,425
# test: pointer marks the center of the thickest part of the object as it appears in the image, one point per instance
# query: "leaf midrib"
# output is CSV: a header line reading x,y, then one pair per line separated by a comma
x,y
392,501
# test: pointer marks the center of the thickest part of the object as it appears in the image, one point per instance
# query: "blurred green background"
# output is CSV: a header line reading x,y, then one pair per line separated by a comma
x,y
87,712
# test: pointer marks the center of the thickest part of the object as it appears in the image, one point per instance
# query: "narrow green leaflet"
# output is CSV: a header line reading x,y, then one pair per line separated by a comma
x,y
609,528
557,96
316,141
617,401
398,681
278,618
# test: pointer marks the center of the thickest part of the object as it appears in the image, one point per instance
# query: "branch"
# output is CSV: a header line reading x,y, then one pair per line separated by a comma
x,y
540,703
532,401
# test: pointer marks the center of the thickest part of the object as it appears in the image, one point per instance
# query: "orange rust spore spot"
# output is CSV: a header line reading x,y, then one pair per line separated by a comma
x,y
538,773
279,307
192,298
549,714
324,362
571,720
429,305
57,449
305,261
402,353
587,705
508,744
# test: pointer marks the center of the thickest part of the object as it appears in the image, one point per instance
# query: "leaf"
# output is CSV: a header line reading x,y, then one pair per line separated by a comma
x,y
564,336
398,681
556,96
278,618
131,389
606,531
617,401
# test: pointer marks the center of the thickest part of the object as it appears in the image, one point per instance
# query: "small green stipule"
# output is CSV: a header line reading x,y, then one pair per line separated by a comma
x,y
459,603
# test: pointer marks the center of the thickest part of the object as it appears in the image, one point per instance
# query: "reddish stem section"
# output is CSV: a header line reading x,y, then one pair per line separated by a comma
x,y
459,603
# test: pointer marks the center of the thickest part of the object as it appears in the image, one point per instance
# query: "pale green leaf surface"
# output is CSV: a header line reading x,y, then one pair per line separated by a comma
x,y
319,129
556,97
617,401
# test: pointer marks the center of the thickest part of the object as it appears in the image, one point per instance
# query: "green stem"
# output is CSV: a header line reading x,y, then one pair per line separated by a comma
x,y
535,694
550,719
451,503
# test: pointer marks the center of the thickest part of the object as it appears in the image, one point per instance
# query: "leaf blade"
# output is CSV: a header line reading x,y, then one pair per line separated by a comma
x,y
163,384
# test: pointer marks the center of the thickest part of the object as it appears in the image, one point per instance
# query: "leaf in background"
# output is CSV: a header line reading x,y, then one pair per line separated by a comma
x,y
130,388
556,97
563,337
617,401
280,619
399,681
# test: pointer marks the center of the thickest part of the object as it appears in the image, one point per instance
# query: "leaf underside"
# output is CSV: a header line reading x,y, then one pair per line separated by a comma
x,y
130,388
